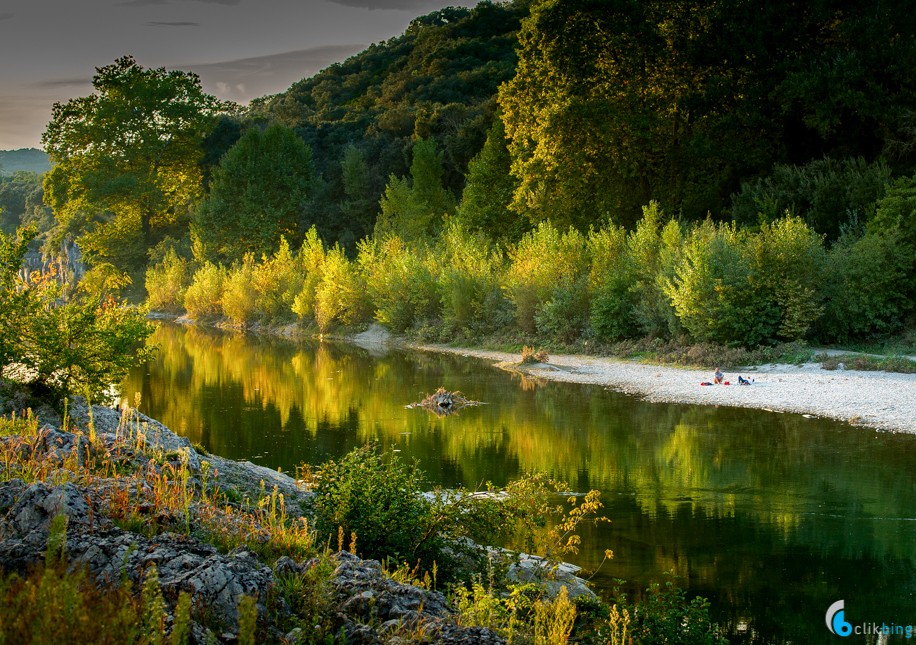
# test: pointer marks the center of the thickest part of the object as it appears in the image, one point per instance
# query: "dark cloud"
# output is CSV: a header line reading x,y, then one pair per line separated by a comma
x,y
146,3
248,78
54,83
173,24
401,5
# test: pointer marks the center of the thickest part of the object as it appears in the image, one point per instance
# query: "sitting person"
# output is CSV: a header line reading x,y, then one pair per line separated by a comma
x,y
718,376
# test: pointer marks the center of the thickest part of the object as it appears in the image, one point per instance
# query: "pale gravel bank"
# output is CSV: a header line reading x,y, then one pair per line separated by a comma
x,y
882,400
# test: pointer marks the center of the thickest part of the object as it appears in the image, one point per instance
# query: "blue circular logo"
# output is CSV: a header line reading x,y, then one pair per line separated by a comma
x,y
836,619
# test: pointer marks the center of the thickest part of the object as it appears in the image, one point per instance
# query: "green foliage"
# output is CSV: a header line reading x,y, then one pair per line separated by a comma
x,y
239,300
248,620
126,159
277,280
828,194
309,594
469,272
414,210
378,498
611,283
489,191
167,282
547,267
258,195
52,605
340,295
401,283
734,287
664,617
22,203
81,344
435,81
310,260
204,295
863,286
653,250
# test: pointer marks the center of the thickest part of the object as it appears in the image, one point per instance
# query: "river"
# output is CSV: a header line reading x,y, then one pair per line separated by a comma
x,y
773,517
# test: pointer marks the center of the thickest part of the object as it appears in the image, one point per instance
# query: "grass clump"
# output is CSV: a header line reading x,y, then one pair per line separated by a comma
x,y
861,362
532,355
54,604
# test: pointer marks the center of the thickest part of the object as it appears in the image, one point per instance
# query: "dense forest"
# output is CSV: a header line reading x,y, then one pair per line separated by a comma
x,y
708,171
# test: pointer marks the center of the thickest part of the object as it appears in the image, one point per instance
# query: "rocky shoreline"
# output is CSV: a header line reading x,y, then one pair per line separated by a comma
x,y
367,606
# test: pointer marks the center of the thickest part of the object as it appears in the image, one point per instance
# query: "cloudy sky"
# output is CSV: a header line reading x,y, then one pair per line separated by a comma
x,y
241,49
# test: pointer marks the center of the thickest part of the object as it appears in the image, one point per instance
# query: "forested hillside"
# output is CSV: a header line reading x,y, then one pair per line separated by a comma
x,y
708,171
438,80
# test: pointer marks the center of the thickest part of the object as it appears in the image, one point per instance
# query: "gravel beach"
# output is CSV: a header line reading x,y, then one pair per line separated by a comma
x,y
882,400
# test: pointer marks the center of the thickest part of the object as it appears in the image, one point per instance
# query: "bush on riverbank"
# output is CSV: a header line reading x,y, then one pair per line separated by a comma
x,y
58,340
703,283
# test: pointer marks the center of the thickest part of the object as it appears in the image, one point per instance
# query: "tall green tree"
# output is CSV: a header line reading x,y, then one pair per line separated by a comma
x,y
415,208
126,159
489,190
258,195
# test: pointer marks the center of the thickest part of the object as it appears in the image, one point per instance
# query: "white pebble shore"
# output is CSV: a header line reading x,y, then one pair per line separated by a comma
x,y
881,400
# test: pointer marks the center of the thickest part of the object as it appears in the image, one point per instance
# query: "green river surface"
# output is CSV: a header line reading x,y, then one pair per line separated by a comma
x,y
773,517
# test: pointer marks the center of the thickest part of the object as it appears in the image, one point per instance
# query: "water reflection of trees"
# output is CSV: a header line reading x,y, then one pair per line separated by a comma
x,y
244,396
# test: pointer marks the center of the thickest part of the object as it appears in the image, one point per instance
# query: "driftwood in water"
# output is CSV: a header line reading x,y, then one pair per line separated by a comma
x,y
442,402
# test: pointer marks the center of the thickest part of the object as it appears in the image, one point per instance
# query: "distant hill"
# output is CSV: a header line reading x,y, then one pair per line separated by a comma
x,y
28,159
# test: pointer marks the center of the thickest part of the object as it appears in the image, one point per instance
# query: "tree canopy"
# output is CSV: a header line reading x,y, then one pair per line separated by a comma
x,y
126,159
257,195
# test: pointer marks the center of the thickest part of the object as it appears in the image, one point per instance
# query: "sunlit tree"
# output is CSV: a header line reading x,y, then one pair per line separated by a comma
x,y
126,159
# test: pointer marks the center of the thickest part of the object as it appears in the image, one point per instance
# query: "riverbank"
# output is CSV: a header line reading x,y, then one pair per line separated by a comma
x,y
874,399
881,400
115,515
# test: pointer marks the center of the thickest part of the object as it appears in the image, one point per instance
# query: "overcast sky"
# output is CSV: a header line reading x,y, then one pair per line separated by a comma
x,y
241,49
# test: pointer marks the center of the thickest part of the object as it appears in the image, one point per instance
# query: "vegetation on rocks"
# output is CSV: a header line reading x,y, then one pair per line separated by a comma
x,y
202,551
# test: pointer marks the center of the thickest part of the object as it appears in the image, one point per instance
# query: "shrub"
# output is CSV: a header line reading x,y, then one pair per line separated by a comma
x,y
239,301
204,295
311,263
543,260
376,497
611,282
401,282
167,282
863,287
738,288
80,344
653,251
277,280
340,295
665,616
468,279
565,315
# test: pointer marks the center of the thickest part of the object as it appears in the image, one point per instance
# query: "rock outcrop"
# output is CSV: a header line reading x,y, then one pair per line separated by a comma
x,y
370,607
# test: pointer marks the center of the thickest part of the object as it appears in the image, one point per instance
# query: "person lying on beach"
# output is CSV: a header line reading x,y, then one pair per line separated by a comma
x,y
718,377
743,381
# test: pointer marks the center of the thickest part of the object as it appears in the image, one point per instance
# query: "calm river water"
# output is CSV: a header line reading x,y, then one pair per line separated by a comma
x,y
773,517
